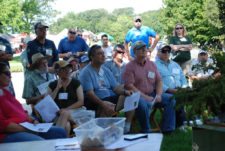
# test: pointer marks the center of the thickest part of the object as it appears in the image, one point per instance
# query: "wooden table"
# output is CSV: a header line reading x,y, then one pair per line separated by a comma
x,y
153,143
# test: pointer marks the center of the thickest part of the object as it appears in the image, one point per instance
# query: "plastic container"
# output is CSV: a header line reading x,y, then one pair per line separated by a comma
x,y
82,116
100,132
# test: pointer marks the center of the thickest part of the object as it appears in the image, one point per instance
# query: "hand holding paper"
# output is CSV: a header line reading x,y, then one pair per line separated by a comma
x,y
131,102
47,108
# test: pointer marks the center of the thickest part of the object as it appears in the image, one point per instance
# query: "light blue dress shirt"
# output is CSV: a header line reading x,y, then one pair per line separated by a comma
x,y
172,74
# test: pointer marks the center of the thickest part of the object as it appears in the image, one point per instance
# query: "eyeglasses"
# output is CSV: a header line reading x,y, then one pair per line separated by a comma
x,y
72,32
7,73
120,52
105,39
138,20
177,28
80,35
165,51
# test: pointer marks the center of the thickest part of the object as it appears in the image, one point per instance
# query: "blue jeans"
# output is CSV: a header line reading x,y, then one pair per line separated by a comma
x,y
53,133
168,121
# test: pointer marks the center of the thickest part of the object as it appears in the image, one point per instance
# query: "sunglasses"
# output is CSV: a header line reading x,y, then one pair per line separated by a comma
x,y
72,32
138,20
7,73
120,52
177,28
80,35
166,51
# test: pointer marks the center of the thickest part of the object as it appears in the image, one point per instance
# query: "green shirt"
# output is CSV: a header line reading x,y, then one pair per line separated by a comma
x,y
180,56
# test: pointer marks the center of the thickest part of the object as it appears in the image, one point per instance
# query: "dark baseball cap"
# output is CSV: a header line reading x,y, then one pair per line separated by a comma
x,y
138,45
40,25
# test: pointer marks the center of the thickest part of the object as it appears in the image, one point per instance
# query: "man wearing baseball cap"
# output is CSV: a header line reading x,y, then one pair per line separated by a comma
x,y
142,75
42,45
172,77
200,67
140,33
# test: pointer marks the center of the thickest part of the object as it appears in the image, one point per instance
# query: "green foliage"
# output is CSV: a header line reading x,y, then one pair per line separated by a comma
x,y
20,15
205,93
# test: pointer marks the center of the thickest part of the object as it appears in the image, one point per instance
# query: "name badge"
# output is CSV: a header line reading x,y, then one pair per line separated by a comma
x,y
175,71
49,52
183,39
63,96
2,47
151,75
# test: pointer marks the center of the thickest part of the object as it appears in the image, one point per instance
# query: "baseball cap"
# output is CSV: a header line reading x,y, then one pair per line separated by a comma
x,y
40,25
202,52
84,59
137,17
163,45
62,64
138,45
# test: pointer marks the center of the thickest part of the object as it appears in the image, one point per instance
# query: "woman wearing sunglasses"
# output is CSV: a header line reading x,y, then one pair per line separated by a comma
x,y
12,114
181,45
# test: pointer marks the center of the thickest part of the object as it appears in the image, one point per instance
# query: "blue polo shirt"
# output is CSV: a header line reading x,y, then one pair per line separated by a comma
x,y
74,46
116,70
102,82
35,46
141,34
8,48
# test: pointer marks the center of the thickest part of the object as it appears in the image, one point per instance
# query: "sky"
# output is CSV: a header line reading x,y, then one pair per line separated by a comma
x,y
140,6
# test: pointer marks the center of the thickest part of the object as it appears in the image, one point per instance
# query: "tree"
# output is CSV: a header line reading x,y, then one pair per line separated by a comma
x,y
36,10
10,15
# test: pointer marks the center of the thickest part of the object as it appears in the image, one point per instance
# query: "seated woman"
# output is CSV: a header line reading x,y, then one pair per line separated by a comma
x,y
66,91
10,130
36,86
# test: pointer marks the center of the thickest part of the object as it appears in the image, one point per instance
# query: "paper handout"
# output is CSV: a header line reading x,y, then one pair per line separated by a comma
x,y
131,102
41,127
47,108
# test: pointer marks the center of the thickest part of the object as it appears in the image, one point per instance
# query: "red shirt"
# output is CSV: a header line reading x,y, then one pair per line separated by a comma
x,y
11,111
143,77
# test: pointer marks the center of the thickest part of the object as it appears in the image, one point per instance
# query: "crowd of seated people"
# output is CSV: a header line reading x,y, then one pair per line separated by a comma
x,y
87,77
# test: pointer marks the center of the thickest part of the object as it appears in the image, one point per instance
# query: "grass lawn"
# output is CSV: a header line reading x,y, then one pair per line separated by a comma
x,y
177,141
16,65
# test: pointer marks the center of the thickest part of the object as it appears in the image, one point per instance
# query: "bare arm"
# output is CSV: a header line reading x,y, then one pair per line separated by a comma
x,y
34,100
181,47
13,128
133,88
157,37
127,50
80,97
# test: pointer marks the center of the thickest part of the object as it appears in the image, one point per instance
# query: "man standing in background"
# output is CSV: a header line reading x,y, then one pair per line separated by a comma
x,y
72,44
140,33
42,45
106,47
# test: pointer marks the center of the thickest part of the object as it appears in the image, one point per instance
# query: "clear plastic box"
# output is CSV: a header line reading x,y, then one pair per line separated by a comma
x,y
100,132
82,116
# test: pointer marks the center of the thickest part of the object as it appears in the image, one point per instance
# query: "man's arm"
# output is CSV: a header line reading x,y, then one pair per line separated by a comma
x,y
157,37
127,50
133,88
105,105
